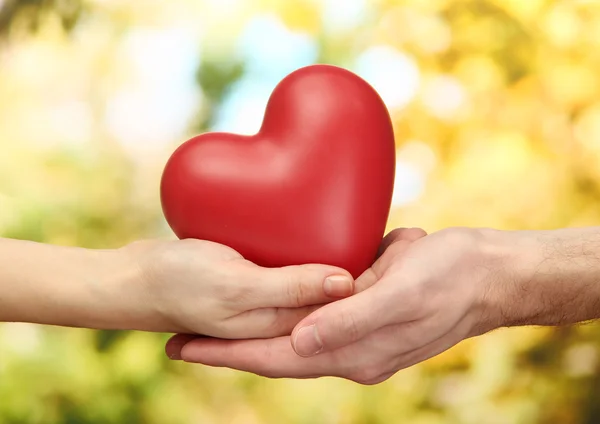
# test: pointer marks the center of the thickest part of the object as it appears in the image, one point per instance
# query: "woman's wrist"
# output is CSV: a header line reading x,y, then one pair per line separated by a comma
x,y
115,294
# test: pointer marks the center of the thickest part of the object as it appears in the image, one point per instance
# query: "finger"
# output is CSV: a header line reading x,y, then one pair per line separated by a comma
x,y
395,250
408,234
299,285
389,301
344,322
401,238
363,361
267,322
366,280
175,344
272,358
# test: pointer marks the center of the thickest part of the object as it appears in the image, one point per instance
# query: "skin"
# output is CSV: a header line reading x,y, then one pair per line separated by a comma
x,y
425,294
183,286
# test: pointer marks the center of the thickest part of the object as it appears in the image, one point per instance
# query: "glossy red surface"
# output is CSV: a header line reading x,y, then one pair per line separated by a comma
x,y
314,185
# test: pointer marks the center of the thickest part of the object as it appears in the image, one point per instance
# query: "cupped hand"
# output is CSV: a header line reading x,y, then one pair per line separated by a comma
x,y
422,296
200,287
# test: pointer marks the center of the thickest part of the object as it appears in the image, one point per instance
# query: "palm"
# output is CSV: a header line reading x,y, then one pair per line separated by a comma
x,y
275,357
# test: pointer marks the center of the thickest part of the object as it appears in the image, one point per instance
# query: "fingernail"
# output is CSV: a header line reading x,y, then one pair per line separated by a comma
x,y
175,356
338,286
174,351
176,344
307,341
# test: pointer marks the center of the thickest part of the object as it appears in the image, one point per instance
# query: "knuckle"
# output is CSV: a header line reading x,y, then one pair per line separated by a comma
x,y
373,382
267,357
379,379
458,237
233,290
297,290
165,258
417,233
368,376
350,325
276,324
235,293
264,366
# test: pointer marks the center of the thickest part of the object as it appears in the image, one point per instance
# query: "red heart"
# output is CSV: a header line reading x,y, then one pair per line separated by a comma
x,y
314,185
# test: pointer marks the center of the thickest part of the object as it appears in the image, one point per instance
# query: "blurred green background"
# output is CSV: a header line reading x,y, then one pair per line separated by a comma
x,y
496,107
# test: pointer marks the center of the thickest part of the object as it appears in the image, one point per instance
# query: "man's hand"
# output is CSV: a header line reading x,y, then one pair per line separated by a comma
x,y
424,295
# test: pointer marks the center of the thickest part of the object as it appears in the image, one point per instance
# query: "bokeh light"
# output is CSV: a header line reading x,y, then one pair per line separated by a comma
x,y
497,121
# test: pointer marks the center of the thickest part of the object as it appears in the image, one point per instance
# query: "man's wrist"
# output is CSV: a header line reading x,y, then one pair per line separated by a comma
x,y
544,277
492,266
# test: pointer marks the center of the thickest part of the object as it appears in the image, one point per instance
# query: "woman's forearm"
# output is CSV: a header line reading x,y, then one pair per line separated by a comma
x,y
57,285
180,286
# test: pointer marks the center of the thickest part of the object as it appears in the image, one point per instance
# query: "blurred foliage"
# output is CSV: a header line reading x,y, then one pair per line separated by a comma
x,y
216,77
504,128
30,13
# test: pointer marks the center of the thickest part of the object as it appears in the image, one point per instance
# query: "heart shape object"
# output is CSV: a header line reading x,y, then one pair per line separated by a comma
x,y
314,185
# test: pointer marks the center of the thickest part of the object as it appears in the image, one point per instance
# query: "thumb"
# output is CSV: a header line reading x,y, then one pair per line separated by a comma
x,y
297,286
346,321
341,323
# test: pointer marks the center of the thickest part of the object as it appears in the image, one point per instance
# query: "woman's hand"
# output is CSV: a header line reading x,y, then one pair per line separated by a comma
x,y
183,286
199,287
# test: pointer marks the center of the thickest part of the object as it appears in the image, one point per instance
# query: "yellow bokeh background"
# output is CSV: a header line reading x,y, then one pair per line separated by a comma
x,y
496,108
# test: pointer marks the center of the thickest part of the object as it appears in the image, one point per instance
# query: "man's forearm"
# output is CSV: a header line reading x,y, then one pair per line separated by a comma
x,y
549,277
57,285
